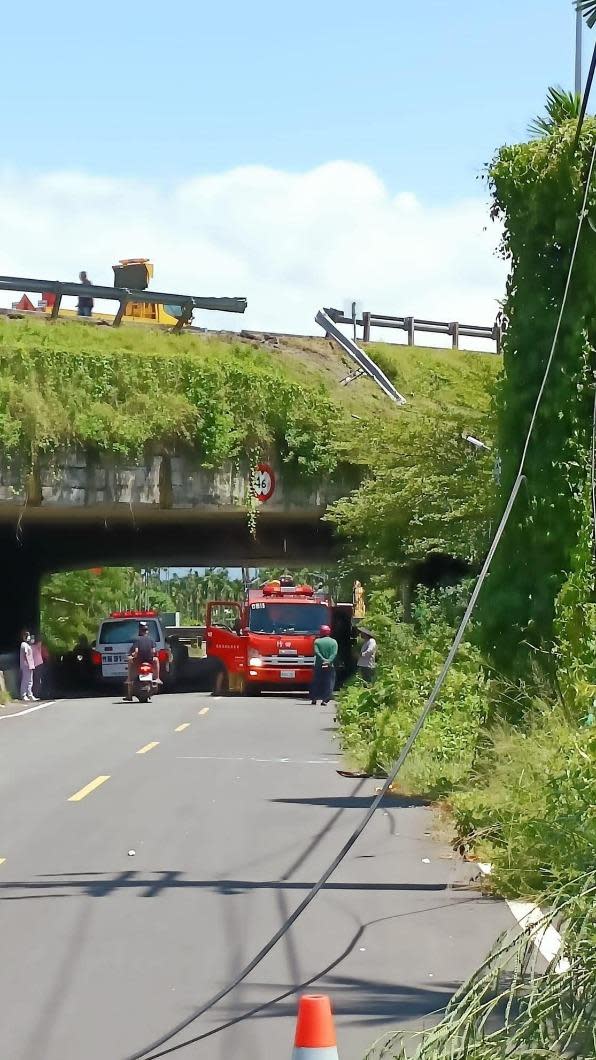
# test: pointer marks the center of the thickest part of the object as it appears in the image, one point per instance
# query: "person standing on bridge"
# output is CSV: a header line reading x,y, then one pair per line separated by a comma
x,y
85,303
326,649
27,667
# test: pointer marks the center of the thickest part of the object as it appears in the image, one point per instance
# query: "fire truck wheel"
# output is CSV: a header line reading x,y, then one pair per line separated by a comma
x,y
221,683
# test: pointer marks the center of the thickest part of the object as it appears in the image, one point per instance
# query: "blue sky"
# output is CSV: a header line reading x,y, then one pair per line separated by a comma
x,y
300,155
421,92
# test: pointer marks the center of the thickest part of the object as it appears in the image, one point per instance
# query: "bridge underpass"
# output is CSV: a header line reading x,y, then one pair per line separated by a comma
x,y
81,511
37,542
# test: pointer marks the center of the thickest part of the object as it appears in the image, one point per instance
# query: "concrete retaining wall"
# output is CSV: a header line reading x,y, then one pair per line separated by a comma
x,y
77,480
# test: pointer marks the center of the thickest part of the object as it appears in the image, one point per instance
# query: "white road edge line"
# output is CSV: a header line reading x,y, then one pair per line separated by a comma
x,y
29,710
249,758
546,938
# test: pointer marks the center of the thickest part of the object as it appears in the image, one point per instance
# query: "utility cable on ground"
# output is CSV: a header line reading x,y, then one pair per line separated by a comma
x,y
149,1051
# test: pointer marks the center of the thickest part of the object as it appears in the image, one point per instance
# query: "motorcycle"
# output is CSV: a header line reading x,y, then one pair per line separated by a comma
x,y
144,684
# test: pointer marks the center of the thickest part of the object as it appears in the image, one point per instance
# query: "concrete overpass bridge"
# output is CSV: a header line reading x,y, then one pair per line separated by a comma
x,y
79,510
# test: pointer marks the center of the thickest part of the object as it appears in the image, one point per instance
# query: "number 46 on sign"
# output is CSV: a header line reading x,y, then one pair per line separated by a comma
x,y
263,482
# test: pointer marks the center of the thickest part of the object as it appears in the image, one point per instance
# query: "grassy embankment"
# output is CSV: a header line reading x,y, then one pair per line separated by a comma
x,y
120,391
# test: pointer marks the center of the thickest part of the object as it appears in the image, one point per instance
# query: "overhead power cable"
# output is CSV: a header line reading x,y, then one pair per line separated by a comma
x,y
149,1052
585,98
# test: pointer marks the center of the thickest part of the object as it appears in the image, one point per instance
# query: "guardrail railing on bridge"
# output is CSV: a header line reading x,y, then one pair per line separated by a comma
x,y
187,303
413,324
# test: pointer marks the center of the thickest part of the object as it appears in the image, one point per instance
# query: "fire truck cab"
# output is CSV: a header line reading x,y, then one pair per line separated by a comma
x,y
267,641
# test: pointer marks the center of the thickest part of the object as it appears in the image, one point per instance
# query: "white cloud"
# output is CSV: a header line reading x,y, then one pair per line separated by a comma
x,y
290,242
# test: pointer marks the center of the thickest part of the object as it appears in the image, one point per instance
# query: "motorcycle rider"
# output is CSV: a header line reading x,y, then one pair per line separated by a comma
x,y
143,651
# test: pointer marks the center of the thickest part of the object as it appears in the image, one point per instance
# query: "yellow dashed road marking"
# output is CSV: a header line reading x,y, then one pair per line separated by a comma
x,y
205,710
78,795
181,728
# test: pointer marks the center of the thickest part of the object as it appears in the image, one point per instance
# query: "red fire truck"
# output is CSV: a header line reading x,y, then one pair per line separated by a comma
x,y
267,641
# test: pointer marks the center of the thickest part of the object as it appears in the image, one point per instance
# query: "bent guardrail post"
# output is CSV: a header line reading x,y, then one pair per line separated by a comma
x,y
121,308
57,300
362,359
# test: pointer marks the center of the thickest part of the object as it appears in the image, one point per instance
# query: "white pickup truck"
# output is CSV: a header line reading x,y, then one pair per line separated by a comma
x,y
115,638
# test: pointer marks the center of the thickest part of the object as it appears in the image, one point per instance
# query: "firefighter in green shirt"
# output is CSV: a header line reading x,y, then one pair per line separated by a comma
x,y
324,672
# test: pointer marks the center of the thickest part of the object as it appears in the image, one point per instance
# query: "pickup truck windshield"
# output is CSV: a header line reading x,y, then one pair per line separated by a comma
x,y
125,630
287,618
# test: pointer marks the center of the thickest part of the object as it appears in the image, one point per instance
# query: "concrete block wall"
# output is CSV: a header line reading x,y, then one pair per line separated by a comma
x,y
76,480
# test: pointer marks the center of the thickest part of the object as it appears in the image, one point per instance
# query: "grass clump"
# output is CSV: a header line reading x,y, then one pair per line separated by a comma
x,y
460,382
376,720
529,808
511,1007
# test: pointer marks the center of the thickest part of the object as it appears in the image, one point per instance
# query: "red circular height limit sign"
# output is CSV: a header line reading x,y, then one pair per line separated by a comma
x,y
263,482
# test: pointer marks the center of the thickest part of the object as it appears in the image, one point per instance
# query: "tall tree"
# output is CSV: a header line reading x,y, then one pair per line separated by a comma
x,y
537,191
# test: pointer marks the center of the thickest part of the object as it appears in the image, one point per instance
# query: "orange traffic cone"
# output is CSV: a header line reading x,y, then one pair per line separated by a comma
x,y
315,1033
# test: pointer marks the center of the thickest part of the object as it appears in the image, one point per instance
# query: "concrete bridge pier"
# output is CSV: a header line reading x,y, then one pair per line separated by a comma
x,y
20,579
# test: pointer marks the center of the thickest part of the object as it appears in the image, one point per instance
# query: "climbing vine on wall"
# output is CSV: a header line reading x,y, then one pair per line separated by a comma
x,y
122,394
537,192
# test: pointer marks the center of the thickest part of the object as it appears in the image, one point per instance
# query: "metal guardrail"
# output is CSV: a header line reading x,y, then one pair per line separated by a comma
x,y
365,363
122,295
413,324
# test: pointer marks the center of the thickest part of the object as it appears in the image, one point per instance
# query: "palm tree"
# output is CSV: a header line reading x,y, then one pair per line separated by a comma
x,y
561,106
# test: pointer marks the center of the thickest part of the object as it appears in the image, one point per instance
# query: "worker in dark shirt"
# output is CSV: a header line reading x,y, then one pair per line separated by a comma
x,y
143,651
85,303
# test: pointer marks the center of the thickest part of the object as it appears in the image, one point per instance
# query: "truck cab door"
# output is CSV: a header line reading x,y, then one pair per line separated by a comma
x,y
224,635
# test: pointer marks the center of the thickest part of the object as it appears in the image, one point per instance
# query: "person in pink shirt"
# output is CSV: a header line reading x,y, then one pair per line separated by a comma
x,y
27,667
40,658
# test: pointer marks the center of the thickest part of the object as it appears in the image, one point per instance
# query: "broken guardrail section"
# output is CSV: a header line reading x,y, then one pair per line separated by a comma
x,y
362,359
122,295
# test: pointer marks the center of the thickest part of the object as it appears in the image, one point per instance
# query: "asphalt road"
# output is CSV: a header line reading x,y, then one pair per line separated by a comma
x,y
233,810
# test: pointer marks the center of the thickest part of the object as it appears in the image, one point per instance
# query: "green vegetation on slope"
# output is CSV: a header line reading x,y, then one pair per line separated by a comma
x,y
457,383
113,366
120,392
425,489
129,391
